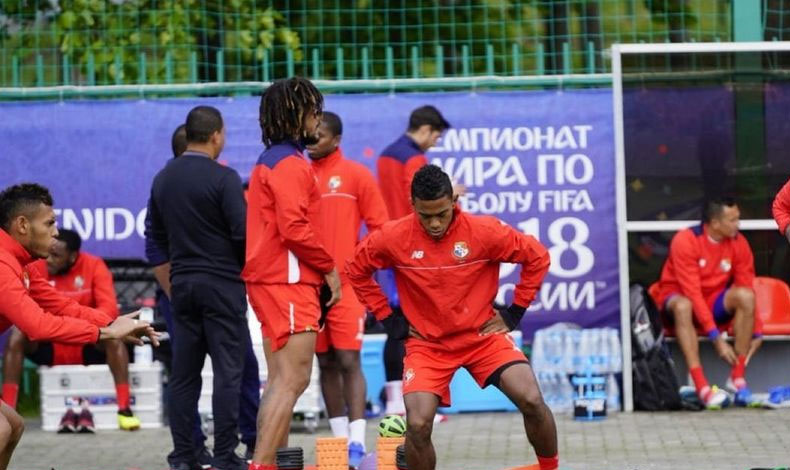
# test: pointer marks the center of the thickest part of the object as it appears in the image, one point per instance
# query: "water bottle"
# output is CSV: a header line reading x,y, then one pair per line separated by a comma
x,y
616,358
569,343
612,394
601,348
538,359
566,393
585,353
144,354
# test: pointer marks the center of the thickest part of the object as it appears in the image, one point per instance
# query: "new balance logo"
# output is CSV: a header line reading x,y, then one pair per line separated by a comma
x,y
417,254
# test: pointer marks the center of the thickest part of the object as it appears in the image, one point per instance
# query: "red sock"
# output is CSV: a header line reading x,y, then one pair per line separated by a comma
x,y
10,393
261,466
122,395
700,382
738,373
549,463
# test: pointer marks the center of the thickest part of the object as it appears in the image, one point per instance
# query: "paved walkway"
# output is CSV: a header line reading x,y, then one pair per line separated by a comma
x,y
730,439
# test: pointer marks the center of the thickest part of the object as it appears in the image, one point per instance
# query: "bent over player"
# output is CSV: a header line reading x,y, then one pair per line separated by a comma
x,y
446,266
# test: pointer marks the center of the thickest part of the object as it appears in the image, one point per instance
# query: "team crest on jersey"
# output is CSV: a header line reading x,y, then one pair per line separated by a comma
x,y
702,262
26,279
334,183
408,376
725,265
461,250
79,282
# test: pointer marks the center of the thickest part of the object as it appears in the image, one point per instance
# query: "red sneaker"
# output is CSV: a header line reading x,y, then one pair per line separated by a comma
x,y
68,423
85,422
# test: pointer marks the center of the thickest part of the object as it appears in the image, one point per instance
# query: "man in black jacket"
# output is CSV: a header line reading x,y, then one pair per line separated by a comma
x,y
198,217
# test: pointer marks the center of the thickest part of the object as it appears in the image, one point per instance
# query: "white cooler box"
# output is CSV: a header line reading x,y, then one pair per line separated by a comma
x,y
63,386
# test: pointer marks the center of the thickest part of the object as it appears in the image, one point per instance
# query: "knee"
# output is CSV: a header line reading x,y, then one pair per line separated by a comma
x,y
683,311
17,428
744,299
530,403
326,361
294,382
348,362
419,429
6,434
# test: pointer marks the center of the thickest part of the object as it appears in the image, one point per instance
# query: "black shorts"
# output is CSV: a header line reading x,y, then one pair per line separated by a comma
x,y
44,354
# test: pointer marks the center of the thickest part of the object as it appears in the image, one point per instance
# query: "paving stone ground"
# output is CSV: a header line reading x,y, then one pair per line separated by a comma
x,y
737,439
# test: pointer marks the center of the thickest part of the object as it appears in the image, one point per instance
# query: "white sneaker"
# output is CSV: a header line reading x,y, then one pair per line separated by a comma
x,y
717,399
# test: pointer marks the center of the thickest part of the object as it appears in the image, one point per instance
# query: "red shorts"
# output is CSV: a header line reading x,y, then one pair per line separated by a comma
x,y
345,324
284,310
429,367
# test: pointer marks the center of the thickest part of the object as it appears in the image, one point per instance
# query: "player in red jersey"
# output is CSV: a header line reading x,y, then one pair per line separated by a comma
x,y
706,283
349,195
781,210
27,301
86,279
446,266
286,260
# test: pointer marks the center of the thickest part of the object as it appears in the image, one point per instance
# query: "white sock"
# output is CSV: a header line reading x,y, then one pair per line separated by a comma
x,y
357,432
394,391
339,426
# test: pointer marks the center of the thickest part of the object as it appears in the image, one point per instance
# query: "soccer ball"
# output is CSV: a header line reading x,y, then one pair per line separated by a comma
x,y
392,426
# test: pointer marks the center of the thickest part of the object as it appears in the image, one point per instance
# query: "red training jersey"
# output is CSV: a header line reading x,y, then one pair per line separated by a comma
x,y
781,208
88,282
349,195
283,246
698,267
35,307
396,167
447,287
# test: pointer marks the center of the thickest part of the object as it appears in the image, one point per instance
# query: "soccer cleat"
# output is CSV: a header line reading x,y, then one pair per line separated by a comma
x,y
743,396
68,423
85,422
716,399
356,452
439,418
127,421
400,458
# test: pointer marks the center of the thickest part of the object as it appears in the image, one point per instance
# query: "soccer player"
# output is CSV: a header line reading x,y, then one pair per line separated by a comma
x,y
781,210
86,279
396,167
446,266
349,195
27,301
286,260
706,283
198,217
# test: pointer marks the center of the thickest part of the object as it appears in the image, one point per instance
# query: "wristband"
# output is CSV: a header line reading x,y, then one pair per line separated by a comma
x,y
512,315
713,334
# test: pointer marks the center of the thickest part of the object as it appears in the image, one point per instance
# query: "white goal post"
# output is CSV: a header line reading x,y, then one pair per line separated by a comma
x,y
624,227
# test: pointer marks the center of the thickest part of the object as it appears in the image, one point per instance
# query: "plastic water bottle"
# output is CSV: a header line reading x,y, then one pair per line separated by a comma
x,y
538,358
612,394
585,352
569,342
602,355
616,357
566,393
144,354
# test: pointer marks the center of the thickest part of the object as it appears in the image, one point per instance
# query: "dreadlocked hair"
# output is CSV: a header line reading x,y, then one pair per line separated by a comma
x,y
284,106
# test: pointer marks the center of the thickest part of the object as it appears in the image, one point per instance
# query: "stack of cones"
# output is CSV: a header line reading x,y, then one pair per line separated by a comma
x,y
331,453
385,452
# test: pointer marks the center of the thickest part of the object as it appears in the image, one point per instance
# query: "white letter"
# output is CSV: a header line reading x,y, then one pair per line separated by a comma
x,y
559,174
587,169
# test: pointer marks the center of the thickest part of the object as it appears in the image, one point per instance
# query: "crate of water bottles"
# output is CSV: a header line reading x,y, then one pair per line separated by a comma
x,y
576,366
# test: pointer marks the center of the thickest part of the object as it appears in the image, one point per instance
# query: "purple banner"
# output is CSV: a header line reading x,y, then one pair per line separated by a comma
x,y
541,161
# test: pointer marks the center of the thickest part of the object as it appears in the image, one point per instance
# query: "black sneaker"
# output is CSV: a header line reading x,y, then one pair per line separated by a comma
x,y
400,458
185,466
204,458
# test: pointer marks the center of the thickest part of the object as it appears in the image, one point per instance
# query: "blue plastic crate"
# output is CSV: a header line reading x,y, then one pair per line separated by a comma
x,y
372,359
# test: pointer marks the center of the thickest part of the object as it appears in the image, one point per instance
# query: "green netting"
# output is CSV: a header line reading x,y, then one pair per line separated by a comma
x,y
776,20
96,42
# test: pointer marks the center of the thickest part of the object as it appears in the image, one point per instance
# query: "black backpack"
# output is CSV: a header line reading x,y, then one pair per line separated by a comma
x,y
655,384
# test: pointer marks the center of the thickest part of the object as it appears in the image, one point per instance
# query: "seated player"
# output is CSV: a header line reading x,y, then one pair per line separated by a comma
x,y
446,266
86,279
706,283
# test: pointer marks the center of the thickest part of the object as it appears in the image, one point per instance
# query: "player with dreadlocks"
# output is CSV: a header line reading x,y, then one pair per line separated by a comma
x,y
286,262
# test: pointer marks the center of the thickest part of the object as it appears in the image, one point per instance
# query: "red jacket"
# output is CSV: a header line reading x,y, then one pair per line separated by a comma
x,y
446,287
35,307
88,282
349,195
781,208
698,268
396,168
282,243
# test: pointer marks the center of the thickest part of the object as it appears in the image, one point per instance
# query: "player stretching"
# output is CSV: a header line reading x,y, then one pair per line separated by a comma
x,y
446,266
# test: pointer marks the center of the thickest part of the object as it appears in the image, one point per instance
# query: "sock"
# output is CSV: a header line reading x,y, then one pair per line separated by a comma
x,y
700,382
549,463
122,394
261,466
339,425
738,373
10,394
357,432
394,390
